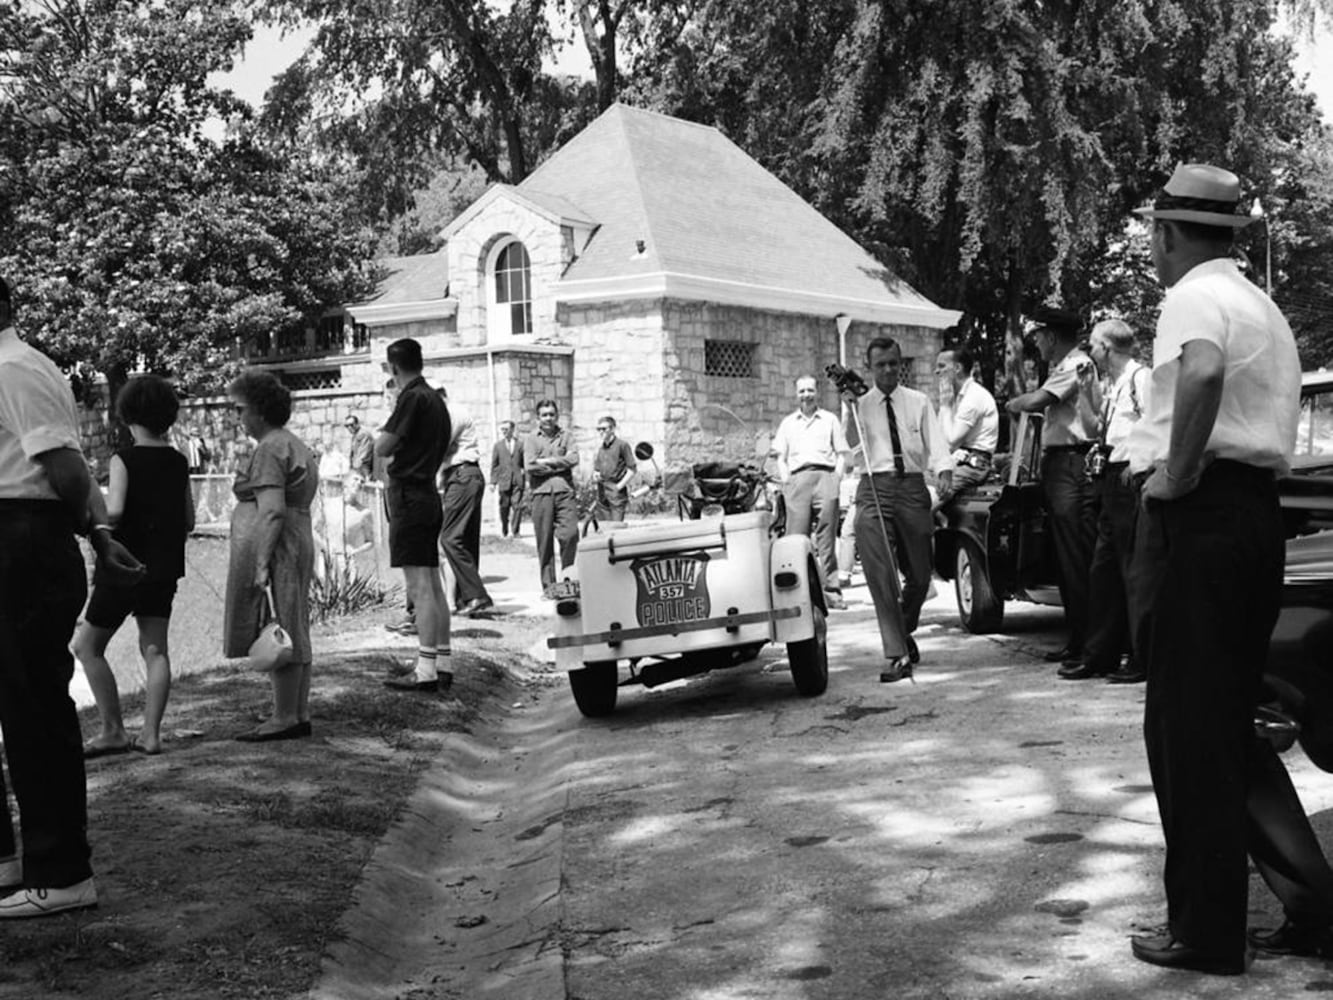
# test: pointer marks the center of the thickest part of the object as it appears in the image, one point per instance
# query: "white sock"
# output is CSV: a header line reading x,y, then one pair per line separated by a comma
x,y
425,664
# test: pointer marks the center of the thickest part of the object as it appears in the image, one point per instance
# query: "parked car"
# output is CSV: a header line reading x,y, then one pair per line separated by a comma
x,y
996,543
1300,654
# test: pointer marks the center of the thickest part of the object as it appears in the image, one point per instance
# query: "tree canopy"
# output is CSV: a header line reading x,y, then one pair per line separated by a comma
x,y
129,234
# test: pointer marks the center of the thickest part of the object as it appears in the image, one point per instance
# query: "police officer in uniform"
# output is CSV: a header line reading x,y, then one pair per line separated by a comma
x,y
1070,401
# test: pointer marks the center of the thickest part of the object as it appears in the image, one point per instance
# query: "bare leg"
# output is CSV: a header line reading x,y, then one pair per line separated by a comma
x,y
157,681
90,647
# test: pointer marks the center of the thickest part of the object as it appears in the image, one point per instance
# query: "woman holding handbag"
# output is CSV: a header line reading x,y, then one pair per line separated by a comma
x,y
272,549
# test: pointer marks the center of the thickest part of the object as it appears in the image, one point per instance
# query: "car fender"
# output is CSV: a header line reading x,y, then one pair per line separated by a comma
x,y
568,622
947,541
793,582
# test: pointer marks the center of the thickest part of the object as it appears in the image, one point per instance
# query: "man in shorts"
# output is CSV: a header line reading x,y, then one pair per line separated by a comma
x,y
413,443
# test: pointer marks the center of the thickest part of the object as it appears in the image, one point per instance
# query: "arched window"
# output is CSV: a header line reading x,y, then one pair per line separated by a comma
x,y
511,299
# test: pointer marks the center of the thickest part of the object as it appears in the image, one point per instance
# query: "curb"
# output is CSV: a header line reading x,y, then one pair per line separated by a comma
x,y
462,896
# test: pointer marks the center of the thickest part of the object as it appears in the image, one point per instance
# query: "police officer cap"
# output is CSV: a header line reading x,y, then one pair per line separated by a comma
x,y
1064,321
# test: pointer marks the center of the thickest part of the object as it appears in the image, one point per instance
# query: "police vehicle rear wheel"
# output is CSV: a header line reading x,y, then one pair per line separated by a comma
x,y
594,688
809,658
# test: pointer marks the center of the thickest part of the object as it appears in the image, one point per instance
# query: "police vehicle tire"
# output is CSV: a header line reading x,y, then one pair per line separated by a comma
x,y
978,608
809,658
595,687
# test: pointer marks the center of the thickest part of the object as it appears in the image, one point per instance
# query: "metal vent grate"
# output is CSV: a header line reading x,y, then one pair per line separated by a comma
x,y
729,359
325,378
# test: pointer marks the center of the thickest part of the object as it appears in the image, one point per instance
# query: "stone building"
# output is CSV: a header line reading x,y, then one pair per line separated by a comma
x,y
649,269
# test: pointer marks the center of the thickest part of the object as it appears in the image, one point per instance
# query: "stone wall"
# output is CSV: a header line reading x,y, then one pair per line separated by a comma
x,y
619,369
712,417
469,252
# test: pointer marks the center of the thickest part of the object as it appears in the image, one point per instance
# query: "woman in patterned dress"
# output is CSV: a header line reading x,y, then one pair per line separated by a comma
x,y
272,546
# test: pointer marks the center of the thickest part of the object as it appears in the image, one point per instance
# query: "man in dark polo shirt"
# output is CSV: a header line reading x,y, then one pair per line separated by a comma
x,y
612,468
46,497
414,442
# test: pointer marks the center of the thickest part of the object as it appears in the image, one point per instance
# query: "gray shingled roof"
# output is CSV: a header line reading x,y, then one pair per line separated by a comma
x,y
419,278
703,208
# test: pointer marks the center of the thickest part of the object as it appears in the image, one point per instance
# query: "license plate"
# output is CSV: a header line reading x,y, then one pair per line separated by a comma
x,y
671,589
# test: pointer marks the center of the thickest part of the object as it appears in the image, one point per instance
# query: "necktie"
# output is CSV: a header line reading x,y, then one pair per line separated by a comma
x,y
895,439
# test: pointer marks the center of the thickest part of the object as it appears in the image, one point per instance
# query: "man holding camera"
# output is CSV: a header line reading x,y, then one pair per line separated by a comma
x,y
1110,606
1070,401
903,441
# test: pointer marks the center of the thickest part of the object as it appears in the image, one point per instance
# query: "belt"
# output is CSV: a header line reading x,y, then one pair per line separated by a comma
x,y
34,505
456,465
812,468
1068,447
978,451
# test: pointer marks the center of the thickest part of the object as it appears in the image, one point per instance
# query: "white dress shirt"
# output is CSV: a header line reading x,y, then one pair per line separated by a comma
x,y
924,446
37,415
1261,388
1126,403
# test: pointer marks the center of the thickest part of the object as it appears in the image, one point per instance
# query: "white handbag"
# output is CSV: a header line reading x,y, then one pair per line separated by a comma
x,y
273,647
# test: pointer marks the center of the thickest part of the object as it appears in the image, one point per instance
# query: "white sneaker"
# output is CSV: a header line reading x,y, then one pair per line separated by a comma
x,y
43,902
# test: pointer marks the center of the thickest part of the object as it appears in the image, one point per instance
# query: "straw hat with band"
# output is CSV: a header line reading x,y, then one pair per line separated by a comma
x,y
1199,193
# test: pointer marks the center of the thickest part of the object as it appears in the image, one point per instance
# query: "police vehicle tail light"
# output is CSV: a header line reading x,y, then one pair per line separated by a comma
x,y
568,608
785,579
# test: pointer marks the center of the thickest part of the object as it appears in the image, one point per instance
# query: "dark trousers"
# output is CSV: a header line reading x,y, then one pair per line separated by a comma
x,y
511,509
906,507
1072,506
555,520
1111,608
1209,567
1283,844
460,537
43,585
812,509
611,503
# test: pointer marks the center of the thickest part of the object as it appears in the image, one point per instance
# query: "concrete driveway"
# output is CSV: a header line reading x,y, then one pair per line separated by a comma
x,y
988,832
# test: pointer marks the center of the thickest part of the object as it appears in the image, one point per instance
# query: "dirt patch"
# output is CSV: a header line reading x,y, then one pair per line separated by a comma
x,y
223,867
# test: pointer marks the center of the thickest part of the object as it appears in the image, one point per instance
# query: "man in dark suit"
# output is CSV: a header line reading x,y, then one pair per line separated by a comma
x,y
507,478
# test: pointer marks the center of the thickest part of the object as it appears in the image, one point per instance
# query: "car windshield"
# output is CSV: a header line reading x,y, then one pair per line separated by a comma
x,y
1314,436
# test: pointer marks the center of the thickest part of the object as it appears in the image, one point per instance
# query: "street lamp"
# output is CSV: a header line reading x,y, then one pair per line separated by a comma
x,y
1257,212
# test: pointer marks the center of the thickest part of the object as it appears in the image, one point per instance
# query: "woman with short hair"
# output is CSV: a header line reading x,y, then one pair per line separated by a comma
x,y
272,545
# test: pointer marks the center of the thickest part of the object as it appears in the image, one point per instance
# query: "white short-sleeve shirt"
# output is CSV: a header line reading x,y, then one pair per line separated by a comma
x,y
973,419
1261,388
814,440
37,415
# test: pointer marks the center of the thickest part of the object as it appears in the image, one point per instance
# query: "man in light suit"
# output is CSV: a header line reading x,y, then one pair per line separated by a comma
x,y
507,478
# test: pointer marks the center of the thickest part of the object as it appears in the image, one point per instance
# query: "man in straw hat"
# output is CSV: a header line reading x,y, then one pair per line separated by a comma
x,y
1220,426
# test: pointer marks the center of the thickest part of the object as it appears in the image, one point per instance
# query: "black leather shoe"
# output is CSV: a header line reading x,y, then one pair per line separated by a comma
x,y
1065,654
1169,953
898,670
476,606
1294,939
1080,670
412,684
1127,675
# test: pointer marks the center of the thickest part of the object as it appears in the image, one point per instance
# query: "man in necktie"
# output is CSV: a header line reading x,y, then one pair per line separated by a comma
x,y
903,441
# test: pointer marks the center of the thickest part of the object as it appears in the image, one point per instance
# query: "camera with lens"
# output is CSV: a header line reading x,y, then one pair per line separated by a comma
x,y
846,380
